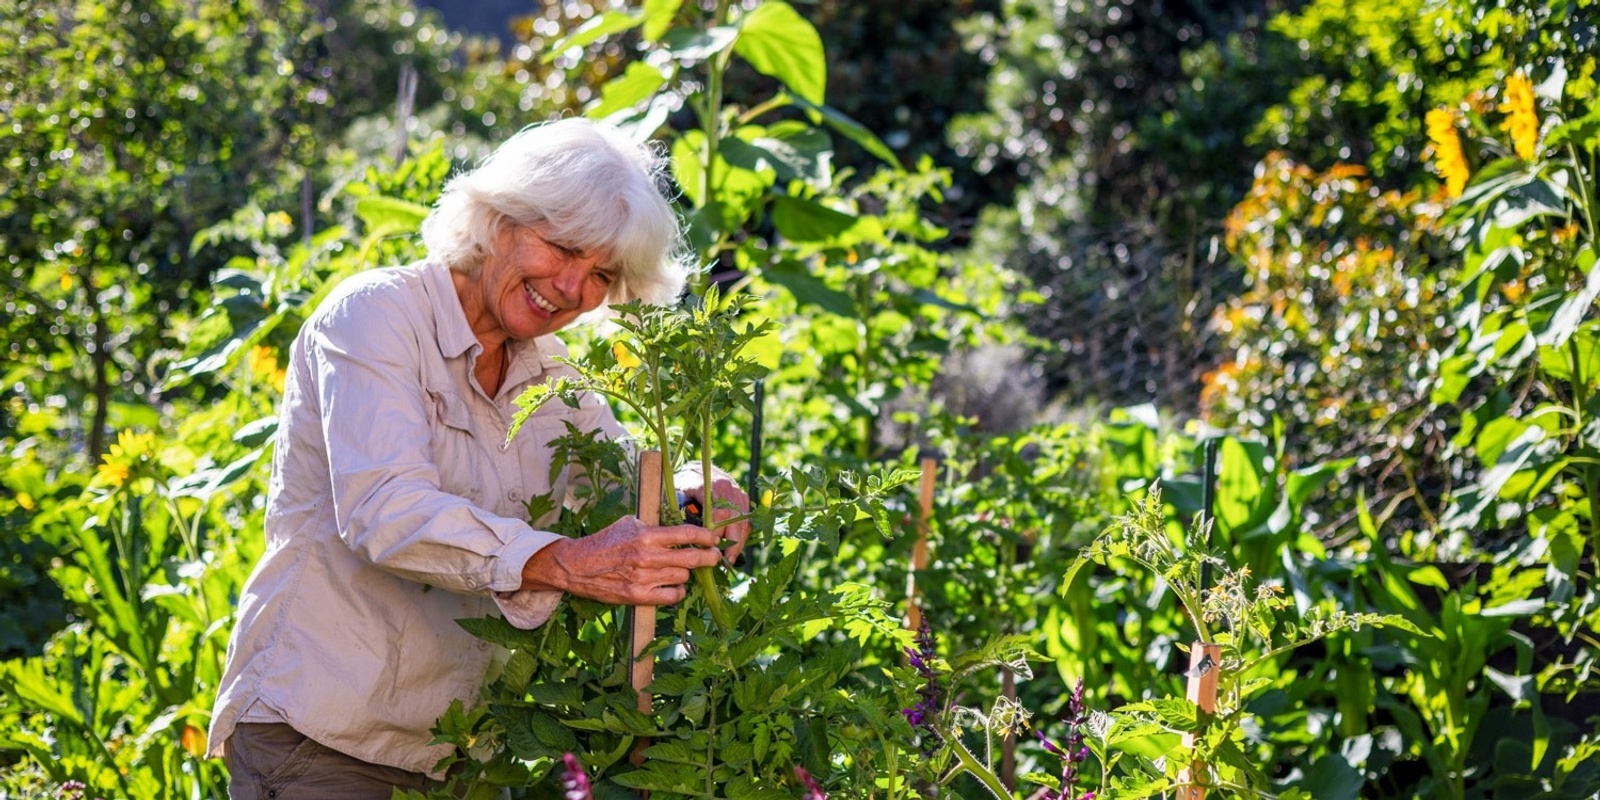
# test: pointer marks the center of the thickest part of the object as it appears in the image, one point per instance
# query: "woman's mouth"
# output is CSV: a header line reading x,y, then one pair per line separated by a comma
x,y
538,300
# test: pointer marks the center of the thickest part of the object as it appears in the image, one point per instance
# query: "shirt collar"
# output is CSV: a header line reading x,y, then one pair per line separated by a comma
x,y
529,359
451,330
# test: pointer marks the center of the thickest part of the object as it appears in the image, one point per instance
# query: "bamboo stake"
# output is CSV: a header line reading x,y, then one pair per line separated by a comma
x,y
644,617
1205,666
919,551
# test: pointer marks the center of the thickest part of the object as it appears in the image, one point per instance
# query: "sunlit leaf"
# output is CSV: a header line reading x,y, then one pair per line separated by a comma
x,y
780,43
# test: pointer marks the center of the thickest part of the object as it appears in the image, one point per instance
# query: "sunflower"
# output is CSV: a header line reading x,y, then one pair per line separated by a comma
x,y
1448,157
126,457
1522,117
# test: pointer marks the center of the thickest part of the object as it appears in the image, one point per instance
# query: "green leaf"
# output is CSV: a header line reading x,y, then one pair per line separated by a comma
x,y
658,16
594,30
852,130
794,150
807,288
390,214
552,733
808,221
781,44
495,630
676,751
257,433
1467,507
657,776
1244,484
636,83
690,47
1576,306
1304,482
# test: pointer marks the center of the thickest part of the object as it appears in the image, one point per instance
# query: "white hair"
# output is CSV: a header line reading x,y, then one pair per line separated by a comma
x,y
581,184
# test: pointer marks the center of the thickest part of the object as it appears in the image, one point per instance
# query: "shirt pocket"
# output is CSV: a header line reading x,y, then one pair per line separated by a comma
x,y
457,452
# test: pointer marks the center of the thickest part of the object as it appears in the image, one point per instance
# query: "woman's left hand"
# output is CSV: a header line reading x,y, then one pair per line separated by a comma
x,y
727,501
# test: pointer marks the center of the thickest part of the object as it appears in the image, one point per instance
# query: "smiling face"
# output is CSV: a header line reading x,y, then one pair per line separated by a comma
x,y
529,286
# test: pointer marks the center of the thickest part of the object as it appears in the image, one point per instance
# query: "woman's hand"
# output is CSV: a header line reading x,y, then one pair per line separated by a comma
x,y
628,563
727,501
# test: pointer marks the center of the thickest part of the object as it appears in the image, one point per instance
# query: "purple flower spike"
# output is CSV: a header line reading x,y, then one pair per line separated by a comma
x,y
925,713
574,780
813,790
1073,751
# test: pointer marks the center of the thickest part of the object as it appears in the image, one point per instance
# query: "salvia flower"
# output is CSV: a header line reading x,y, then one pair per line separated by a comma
x,y
813,789
925,714
1073,751
574,781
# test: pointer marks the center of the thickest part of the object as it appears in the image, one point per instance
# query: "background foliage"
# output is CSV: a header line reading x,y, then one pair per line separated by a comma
x,y
1351,246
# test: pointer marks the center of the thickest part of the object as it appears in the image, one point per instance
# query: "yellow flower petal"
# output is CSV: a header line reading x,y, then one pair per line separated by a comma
x,y
625,357
1448,157
1522,116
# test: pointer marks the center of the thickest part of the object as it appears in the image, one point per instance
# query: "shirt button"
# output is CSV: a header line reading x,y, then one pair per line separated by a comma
x,y
512,496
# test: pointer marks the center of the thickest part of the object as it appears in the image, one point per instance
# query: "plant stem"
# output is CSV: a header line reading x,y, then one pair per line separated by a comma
x,y
1587,201
972,766
704,577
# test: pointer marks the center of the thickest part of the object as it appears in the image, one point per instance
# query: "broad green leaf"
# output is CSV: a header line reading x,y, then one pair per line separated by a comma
x,y
636,83
257,433
807,288
1516,608
1583,131
791,149
595,29
1578,361
690,47
1244,484
798,152
929,297
658,16
390,214
641,124
1537,198
1577,306
1429,576
1304,482
1492,182
1333,778
1467,508
1496,436
807,220
852,130
779,43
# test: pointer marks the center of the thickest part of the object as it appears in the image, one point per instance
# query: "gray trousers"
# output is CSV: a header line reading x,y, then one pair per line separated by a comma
x,y
275,762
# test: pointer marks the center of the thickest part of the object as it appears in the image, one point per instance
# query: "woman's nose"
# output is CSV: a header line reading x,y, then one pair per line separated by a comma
x,y
569,281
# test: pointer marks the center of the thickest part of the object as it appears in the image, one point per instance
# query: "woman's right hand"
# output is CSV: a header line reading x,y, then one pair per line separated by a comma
x,y
628,563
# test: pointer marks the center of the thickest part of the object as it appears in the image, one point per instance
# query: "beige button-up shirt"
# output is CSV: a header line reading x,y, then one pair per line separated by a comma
x,y
396,507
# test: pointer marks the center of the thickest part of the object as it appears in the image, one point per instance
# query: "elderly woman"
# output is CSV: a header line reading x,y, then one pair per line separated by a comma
x,y
397,506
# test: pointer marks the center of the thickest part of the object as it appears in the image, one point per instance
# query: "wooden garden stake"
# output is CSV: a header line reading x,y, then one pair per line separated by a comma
x,y
1205,666
1205,659
919,550
644,617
